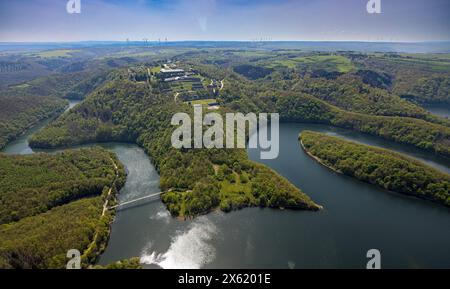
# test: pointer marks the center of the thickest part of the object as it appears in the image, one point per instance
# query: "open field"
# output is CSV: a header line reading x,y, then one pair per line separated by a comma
x,y
64,53
203,101
326,62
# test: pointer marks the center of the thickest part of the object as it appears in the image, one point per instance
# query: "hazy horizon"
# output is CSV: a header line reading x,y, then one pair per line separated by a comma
x,y
131,41
225,20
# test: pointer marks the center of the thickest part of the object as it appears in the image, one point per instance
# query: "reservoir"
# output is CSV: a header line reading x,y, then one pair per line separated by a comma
x,y
20,145
410,233
440,110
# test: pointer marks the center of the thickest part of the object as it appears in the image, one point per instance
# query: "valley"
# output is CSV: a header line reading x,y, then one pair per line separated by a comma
x,y
124,106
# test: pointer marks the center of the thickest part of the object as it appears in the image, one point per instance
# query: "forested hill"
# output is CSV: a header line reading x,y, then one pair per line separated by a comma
x,y
42,193
23,105
422,78
374,84
18,113
199,179
384,168
34,93
303,107
349,93
411,131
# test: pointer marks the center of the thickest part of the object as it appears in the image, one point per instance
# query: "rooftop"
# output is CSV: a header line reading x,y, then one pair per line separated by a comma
x,y
165,70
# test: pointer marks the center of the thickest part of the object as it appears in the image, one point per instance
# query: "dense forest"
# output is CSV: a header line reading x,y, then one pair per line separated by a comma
x,y
198,179
422,78
417,132
126,110
303,107
41,194
433,89
354,86
378,94
73,85
343,102
32,85
386,169
24,105
347,90
372,83
18,113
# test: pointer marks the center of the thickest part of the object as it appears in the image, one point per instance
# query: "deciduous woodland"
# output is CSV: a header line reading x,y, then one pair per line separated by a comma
x,y
18,113
50,203
383,168
127,99
139,110
199,180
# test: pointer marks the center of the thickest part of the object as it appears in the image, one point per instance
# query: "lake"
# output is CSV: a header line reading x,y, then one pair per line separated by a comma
x,y
440,110
410,233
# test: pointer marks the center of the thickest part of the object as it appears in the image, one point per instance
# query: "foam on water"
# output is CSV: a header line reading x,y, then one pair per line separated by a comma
x,y
162,215
189,249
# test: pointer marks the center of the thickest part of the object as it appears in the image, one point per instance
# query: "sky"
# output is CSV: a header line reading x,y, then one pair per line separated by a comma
x,y
243,20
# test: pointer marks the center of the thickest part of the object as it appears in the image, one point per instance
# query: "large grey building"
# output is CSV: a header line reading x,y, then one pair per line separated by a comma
x,y
167,73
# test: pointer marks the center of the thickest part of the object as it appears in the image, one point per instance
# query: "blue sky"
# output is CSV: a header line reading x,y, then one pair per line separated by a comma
x,y
329,20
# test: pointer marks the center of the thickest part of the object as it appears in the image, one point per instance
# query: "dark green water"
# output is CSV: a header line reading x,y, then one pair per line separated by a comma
x,y
357,217
441,110
410,233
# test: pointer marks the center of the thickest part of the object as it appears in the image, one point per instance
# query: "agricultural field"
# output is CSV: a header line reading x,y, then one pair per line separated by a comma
x,y
59,53
337,63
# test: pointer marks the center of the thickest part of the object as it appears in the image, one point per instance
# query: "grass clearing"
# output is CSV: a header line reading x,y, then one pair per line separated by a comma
x,y
203,101
326,62
155,69
63,53
22,86
252,53
181,86
289,63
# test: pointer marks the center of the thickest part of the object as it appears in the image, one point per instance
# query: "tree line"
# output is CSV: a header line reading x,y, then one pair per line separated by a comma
x,y
50,203
383,168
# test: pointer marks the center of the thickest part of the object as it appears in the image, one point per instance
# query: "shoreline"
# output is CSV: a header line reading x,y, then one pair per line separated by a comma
x,y
320,161
54,114
95,249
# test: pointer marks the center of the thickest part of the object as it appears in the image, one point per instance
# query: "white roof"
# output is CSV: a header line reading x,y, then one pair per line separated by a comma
x,y
164,70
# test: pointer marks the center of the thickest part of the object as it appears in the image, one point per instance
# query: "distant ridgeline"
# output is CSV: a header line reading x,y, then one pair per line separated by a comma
x,y
386,169
344,100
261,79
50,203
